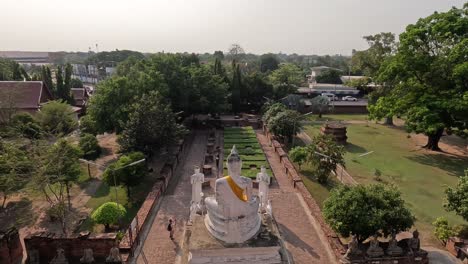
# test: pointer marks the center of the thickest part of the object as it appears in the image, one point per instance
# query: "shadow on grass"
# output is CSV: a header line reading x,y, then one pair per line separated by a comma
x,y
102,191
17,214
329,185
453,165
352,148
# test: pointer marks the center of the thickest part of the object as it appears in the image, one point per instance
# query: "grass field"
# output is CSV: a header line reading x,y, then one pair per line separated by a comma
x,y
249,149
422,176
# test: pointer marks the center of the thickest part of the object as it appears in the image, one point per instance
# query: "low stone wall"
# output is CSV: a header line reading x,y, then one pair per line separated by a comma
x,y
44,246
296,180
11,250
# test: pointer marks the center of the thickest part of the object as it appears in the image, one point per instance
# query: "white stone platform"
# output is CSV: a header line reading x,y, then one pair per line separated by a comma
x,y
203,248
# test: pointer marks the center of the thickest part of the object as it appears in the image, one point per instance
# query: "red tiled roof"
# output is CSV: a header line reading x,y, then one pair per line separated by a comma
x,y
23,95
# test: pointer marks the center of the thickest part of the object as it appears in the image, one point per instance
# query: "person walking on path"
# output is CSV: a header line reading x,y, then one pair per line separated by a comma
x,y
170,228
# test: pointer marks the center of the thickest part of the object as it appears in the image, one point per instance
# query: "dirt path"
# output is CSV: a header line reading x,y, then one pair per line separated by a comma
x,y
303,236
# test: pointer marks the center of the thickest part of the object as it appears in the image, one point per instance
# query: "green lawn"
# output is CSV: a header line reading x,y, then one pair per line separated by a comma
x,y
421,176
249,149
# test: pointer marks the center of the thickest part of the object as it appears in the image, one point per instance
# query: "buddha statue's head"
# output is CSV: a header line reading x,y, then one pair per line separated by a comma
x,y
234,163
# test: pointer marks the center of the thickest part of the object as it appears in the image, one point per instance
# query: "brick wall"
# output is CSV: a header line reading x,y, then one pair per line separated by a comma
x,y
46,245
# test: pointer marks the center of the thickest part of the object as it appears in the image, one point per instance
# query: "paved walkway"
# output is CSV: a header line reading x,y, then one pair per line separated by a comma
x,y
157,247
304,239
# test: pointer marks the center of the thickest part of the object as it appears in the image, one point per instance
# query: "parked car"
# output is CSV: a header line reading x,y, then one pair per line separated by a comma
x,y
349,98
330,96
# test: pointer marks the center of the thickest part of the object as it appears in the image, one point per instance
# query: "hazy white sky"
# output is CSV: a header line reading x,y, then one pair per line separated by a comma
x,y
259,26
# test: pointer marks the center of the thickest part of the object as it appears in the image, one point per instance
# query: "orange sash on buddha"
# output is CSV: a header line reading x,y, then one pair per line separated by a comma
x,y
236,189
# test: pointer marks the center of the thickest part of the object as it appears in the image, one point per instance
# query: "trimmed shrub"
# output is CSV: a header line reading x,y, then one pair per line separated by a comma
x,y
108,214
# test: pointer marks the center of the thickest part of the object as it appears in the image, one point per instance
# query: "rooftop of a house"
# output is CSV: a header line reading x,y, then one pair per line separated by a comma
x,y
20,94
78,93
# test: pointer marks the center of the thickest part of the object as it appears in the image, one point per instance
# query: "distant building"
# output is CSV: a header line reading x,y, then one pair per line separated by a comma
x,y
27,57
319,88
80,96
18,96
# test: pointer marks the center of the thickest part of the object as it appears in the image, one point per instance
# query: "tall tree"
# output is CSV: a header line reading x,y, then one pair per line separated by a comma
x,y
122,172
15,169
236,52
63,164
151,125
430,70
285,124
67,84
325,155
61,93
236,84
268,62
370,62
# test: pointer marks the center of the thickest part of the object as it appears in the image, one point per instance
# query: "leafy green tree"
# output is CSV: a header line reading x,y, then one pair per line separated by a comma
x,y
57,118
442,229
236,84
108,214
46,76
62,164
76,83
89,146
151,126
67,85
456,198
124,173
211,90
268,62
25,125
11,71
329,76
288,74
325,155
272,111
88,125
60,87
381,47
365,210
285,124
298,155
219,55
320,105
286,79
15,169
430,70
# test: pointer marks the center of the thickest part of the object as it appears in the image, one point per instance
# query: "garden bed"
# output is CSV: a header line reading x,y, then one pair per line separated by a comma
x,y
245,140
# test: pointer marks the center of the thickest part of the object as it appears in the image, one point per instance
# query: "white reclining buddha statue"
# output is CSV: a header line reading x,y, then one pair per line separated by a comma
x,y
232,214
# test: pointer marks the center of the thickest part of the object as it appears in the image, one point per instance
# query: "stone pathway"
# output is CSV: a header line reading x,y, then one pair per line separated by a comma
x,y
158,248
304,238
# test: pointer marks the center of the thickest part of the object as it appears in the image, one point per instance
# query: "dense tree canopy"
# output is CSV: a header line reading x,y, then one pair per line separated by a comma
x,y
268,62
288,74
430,71
11,71
365,210
122,172
457,198
329,76
285,124
57,118
16,167
151,125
